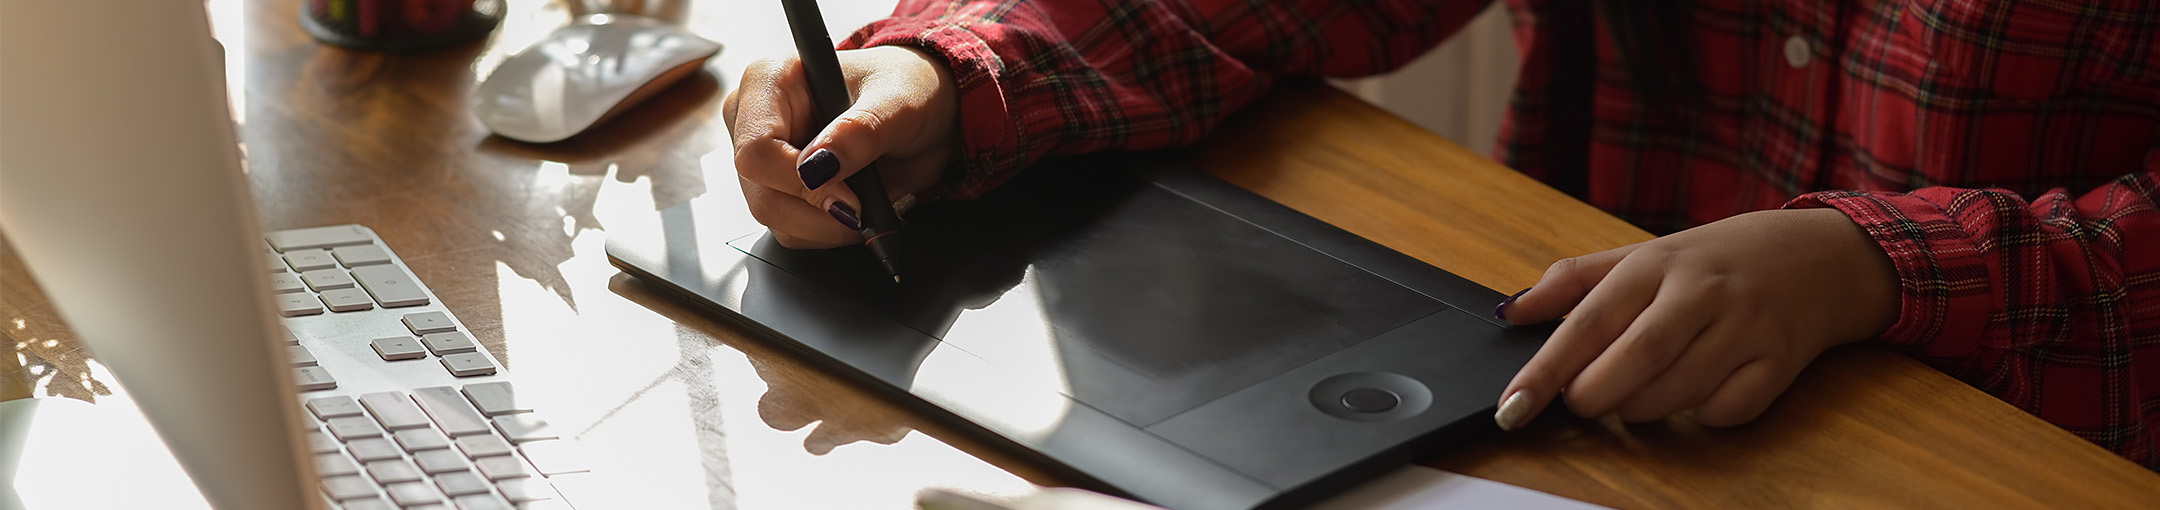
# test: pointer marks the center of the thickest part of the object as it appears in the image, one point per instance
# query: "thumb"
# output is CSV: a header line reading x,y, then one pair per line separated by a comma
x,y
1563,286
851,142
859,136
886,114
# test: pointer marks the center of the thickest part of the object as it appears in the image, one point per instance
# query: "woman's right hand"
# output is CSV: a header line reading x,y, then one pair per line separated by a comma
x,y
904,117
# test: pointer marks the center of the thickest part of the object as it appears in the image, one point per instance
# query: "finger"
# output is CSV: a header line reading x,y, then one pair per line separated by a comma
x,y
762,105
1564,285
1605,313
1708,361
1646,349
765,128
1748,392
841,205
729,106
794,224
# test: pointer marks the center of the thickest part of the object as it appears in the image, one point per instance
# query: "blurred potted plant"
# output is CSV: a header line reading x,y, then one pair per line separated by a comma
x,y
399,25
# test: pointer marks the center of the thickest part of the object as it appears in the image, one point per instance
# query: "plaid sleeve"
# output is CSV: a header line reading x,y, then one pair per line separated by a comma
x,y
1039,78
2052,305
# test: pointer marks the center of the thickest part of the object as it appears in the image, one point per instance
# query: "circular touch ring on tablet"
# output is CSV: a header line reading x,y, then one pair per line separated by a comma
x,y
1370,396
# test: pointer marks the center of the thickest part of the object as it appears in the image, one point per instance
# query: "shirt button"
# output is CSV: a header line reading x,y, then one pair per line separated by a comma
x,y
1796,52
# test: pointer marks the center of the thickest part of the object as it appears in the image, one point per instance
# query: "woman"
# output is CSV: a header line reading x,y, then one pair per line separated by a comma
x,y
1890,171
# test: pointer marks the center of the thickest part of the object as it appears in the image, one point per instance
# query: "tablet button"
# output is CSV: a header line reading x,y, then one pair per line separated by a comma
x,y
1370,396
1370,400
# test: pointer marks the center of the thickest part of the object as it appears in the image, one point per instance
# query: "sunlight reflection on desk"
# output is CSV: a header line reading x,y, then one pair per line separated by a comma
x,y
677,418
1015,331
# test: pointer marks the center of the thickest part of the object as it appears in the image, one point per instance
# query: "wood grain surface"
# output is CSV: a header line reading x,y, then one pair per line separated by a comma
x,y
695,414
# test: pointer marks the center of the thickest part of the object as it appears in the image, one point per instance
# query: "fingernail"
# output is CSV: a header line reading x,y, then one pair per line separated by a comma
x,y
902,204
819,169
1501,311
1514,411
846,215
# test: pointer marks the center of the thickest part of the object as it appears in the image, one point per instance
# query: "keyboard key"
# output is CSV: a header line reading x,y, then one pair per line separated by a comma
x,y
295,304
319,442
429,322
503,467
468,364
521,428
333,407
313,378
318,237
308,260
441,461
289,338
525,490
335,464
483,446
360,255
273,263
393,471
451,412
459,483
347,300
555,457
354,427
348,487
374,503
394,410
446,343
299,356
482,502
372,449
549,504
417,440
390,285
286,282
398,347
326,279
370,504
413,494
495,398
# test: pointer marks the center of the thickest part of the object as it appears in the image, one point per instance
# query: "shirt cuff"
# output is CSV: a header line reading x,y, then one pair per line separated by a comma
x,y
990,148
1947,289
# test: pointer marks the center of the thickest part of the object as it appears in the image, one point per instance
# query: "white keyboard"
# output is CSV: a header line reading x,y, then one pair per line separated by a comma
x,y
410,412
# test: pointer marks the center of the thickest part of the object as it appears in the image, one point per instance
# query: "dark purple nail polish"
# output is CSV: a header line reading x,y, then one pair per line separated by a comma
x,y
846,215
819,169
1501,311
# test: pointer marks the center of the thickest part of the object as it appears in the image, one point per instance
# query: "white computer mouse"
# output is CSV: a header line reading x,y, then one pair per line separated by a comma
x,y
585,73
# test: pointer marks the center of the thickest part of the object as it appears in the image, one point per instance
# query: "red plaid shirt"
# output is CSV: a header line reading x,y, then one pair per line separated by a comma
x,y
1955,131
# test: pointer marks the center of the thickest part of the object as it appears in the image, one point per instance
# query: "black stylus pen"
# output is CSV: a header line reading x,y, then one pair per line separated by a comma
x,y
828,88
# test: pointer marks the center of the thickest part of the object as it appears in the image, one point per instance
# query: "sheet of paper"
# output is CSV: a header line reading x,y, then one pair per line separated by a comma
x,y
1410,487
1420,488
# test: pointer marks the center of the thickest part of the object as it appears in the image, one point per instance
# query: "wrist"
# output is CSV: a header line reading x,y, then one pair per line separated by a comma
x,y
1869,273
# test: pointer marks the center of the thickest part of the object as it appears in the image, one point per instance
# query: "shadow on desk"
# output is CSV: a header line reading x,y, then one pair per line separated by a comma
x,y
793,399
35,345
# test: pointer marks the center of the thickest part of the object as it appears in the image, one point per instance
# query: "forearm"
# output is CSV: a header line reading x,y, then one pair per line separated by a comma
x,y
1039,78
2051,304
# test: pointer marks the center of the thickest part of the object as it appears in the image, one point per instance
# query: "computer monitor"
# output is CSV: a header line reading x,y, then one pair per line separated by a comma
x,y
122,188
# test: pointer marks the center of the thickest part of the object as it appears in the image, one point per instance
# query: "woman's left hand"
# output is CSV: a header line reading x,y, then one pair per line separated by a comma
x,y
1718,319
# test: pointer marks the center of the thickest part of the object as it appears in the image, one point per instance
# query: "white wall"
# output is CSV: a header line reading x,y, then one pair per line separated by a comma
x,y
1460,89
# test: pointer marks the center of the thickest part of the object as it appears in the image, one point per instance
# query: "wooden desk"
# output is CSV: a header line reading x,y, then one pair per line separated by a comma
x,y
509,235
